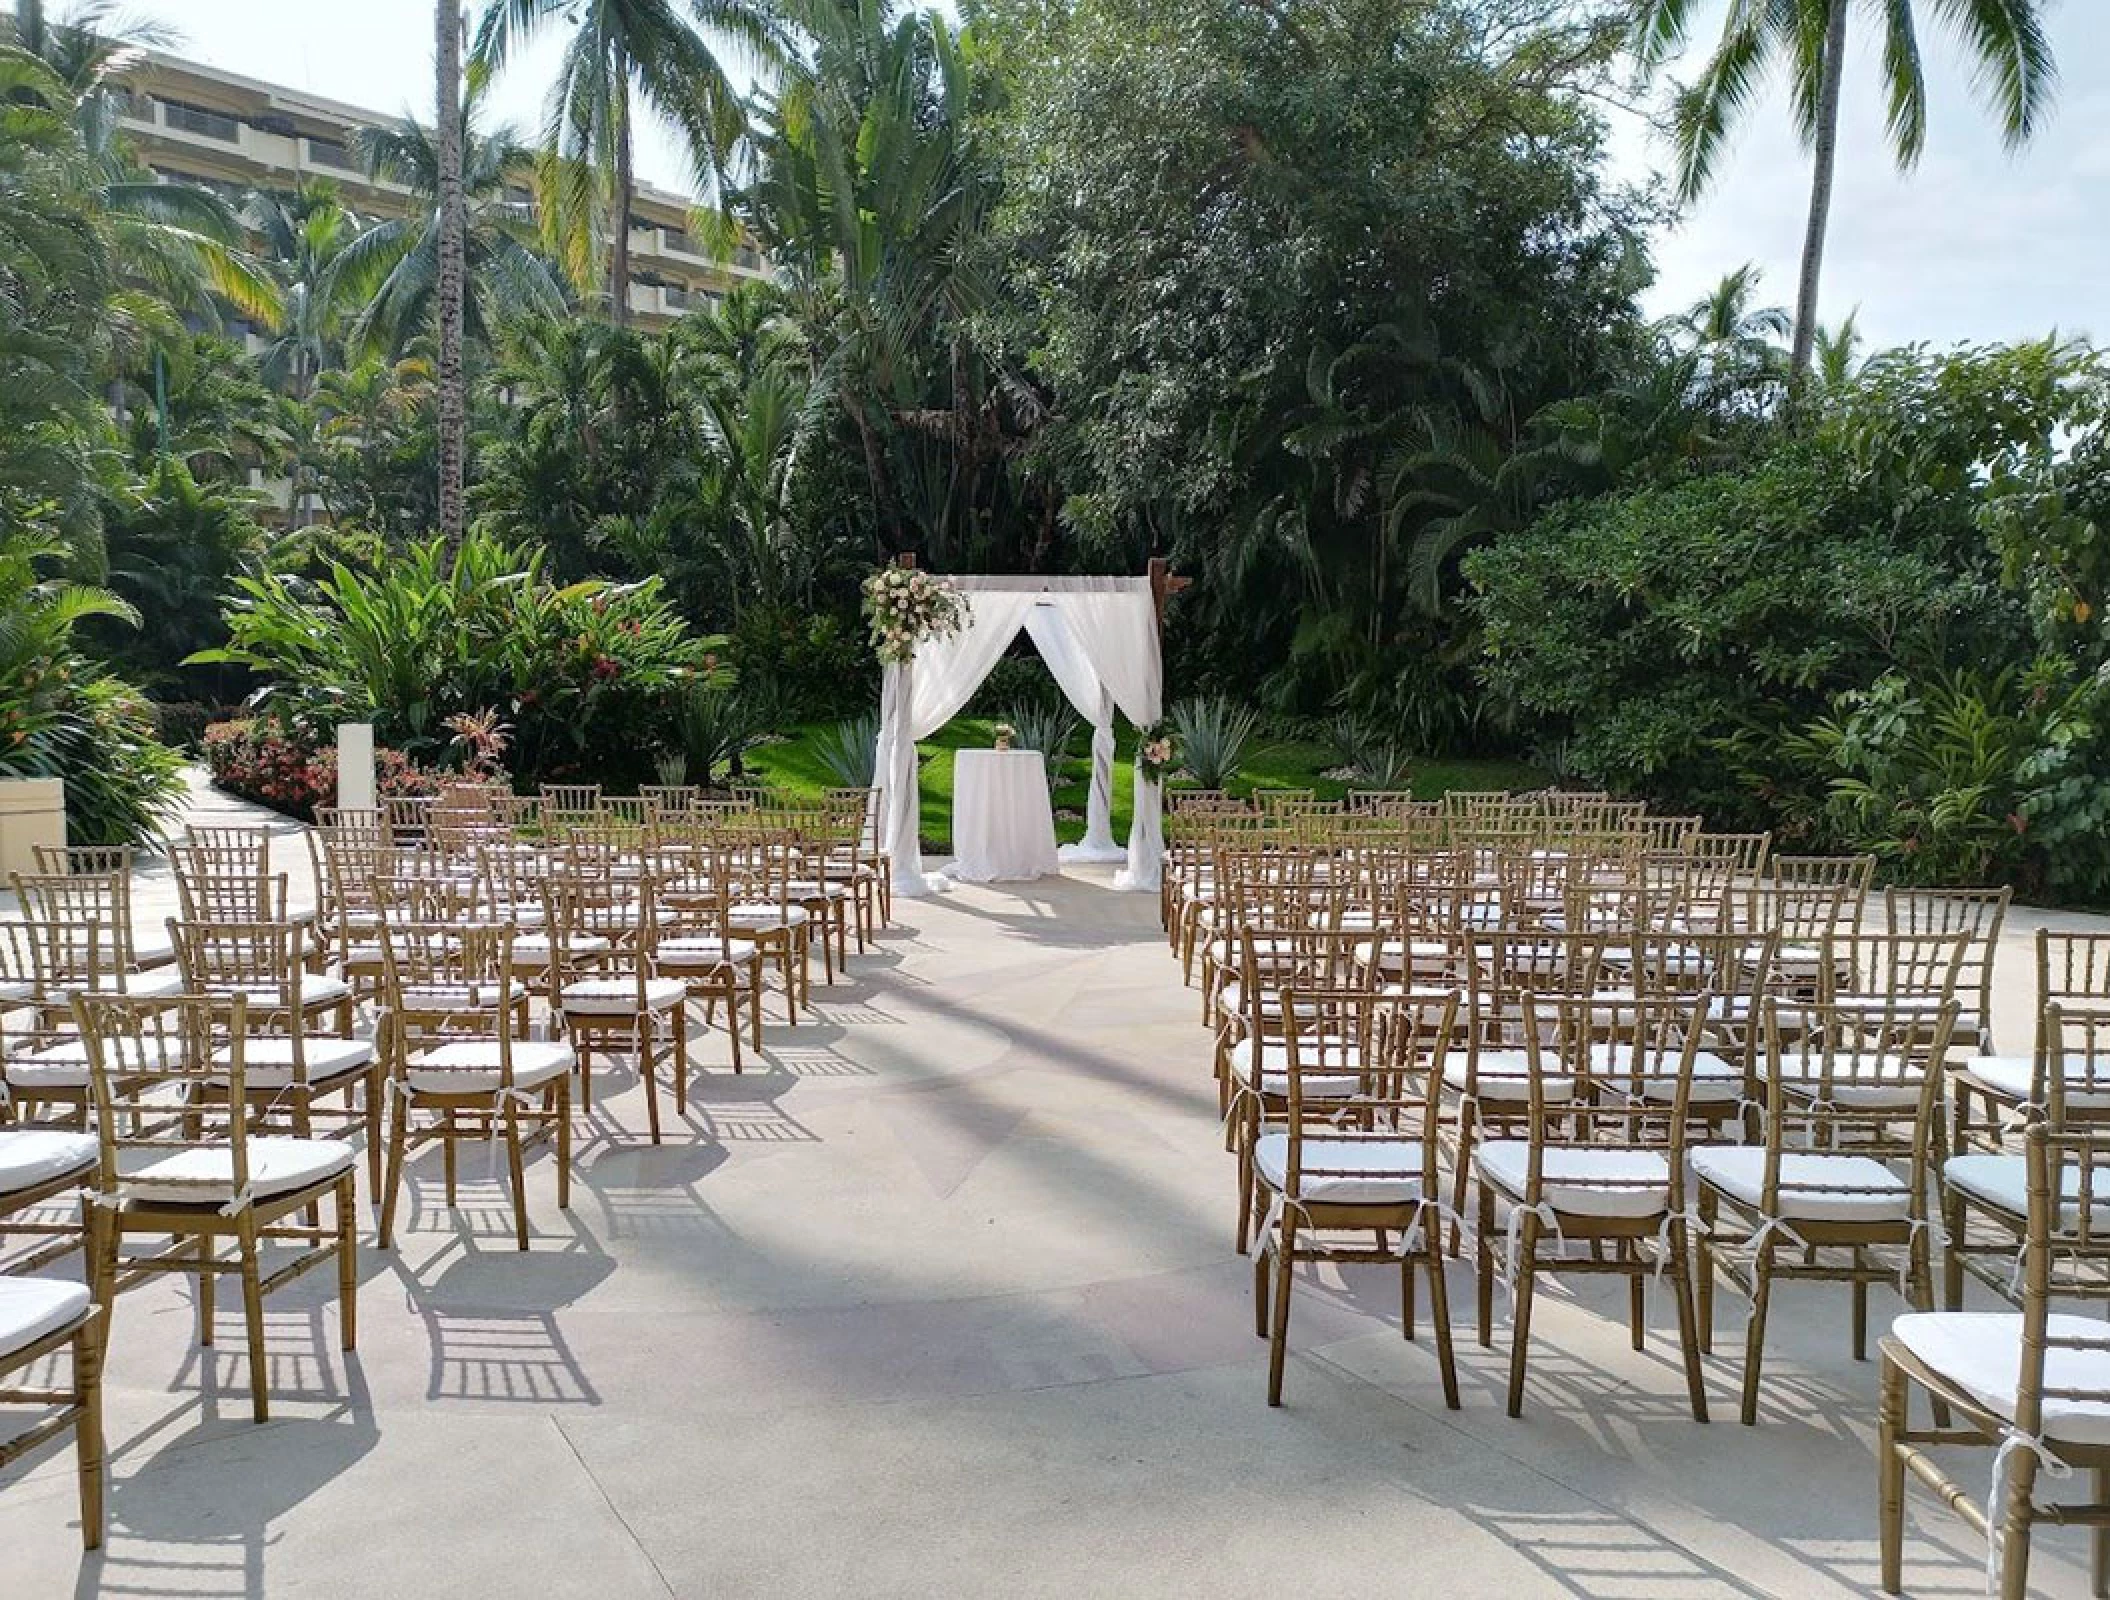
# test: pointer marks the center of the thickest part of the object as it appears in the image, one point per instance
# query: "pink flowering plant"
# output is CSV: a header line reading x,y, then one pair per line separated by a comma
x,y
1155,753
904,606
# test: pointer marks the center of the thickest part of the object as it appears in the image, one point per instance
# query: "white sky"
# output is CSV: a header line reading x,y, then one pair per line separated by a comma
x,y
1973,245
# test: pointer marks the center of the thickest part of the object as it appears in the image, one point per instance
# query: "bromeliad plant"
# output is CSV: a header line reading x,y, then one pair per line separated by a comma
x,y
904,606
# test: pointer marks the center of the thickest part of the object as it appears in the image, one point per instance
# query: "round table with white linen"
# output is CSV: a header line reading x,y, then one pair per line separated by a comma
x,y
1003,827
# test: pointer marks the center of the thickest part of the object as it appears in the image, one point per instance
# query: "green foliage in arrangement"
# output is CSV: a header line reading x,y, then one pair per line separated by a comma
x,y
592,676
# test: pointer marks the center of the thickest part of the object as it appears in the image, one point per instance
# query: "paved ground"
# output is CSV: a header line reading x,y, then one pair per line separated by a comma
x,y
941,1301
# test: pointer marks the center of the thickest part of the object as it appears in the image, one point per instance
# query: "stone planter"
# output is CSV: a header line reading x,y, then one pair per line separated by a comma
x,y
32,813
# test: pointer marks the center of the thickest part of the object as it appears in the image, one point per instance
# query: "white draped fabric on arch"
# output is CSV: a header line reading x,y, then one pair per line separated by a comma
x,y
1099,638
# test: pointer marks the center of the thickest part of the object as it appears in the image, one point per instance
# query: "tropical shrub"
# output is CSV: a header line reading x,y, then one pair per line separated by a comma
x,y
1211,736
1673,635
592,676
122,783
260,760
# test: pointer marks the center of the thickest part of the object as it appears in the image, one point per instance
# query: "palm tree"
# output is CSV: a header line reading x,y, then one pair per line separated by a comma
x,y
2005,39
302,235
391,272
453,266
622,52
182,241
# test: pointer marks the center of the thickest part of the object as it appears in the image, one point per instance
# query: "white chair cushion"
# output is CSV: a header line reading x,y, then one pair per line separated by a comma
x,y
1714,1080
1375,1172
1858,1188
204,1175
33,1157
617,997
13,993
470,1066
35,1308
703,951
2002,1183
267,1062
533,948
1313,1055
1391,955
2012,1078
1582,1183
432,999
134,986
63,1064
1883,1084
1231,998
1981,1353
820,891
1505,1075
767,917
152,949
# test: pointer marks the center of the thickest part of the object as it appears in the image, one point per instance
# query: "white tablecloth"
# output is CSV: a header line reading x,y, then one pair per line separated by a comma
x,y
1002,824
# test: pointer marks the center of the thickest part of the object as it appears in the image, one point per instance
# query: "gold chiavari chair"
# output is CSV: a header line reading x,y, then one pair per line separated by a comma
x,y
45,1066
871,866
1602,1162
1275,888
1354,1152
670,799
134,962
290,1061
1820,1195
455,1039
570,797
41,1170
1852,875
2033,1386
1985,1193
763,867
1727,972
200,1176
627,1005
2073,974
41,1318
1976,914
218,882
1489,1081
1673,834
695,940
407,817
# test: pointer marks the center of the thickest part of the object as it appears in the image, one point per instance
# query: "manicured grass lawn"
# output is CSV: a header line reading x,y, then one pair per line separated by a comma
x,y
793,765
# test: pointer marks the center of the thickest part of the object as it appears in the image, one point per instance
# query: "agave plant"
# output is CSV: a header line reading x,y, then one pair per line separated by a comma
x,y
1212,736
848,752
1051,729
1368,755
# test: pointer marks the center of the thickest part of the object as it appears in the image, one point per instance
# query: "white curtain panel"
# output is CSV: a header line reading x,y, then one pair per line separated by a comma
x,y
1080,685
894,772
1115,624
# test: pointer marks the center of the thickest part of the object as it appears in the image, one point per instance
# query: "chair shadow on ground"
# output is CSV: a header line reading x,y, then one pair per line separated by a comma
x,y
196,1516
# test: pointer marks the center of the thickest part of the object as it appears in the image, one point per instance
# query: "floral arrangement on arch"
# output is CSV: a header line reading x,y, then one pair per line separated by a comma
x,y
905,606
1155,752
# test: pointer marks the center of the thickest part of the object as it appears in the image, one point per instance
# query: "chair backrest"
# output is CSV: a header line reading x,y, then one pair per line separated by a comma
x,y
1975,913
1363,1074
1853,1081
1631,1061
2073,968
167,1076
259,962
216,887
102,898
446,981
2070,1066
83,858
2065,1257
1901,969
571,797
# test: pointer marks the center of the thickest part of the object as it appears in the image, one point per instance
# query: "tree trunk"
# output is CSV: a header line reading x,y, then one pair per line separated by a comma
x,y
619,265
1825,154
453,382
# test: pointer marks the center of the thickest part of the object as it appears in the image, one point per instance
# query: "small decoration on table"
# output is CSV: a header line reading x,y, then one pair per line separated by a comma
x,y
1004,733
904,606
1155,752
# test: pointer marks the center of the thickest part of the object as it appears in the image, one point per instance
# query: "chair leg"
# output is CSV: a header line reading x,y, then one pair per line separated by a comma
x,y
2012,1526
1278,1325
374,1138
1890,1475
1755,1332
1636,1302
347,1264
516,1176
647,1068
1261,1267
1952,1219
398,1140
88,1426
1860,1288
561,1089
1520,1325
253,1314
1703,1274
1688,1332
2099,1538
1440,1313
208,1287
681,1061
448,1141
1484,1263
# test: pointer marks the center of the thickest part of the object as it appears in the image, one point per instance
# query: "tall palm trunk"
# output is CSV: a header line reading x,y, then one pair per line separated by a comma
x,y
619,265
453,383
1826,150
